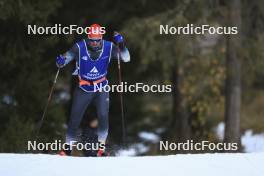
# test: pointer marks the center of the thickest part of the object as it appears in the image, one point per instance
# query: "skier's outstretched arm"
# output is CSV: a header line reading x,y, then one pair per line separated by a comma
x,y
64,59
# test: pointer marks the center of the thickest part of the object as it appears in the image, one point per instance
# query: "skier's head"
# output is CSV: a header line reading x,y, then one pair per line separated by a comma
x,y
95,36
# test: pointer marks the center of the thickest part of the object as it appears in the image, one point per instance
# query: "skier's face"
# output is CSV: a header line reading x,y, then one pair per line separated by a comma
x,y
95,43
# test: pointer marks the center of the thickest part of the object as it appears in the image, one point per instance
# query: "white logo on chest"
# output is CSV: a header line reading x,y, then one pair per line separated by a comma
x,y
85,58
94,70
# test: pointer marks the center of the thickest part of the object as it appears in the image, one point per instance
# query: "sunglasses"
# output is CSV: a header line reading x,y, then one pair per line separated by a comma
x,y
95,40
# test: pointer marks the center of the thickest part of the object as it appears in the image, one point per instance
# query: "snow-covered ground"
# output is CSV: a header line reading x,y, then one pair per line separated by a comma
x,y
246,164
251,142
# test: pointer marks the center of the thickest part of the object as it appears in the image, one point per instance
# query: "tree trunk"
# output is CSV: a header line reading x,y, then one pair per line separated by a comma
x,y
233,79
180,122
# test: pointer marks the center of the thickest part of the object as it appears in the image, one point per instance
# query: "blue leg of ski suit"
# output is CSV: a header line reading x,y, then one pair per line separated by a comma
x,y
81,101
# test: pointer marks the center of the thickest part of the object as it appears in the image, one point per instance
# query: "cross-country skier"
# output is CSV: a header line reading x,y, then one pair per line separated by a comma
x,y
92,56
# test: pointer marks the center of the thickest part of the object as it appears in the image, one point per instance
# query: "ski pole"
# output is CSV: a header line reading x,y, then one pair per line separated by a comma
x,y
121,98
47,104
